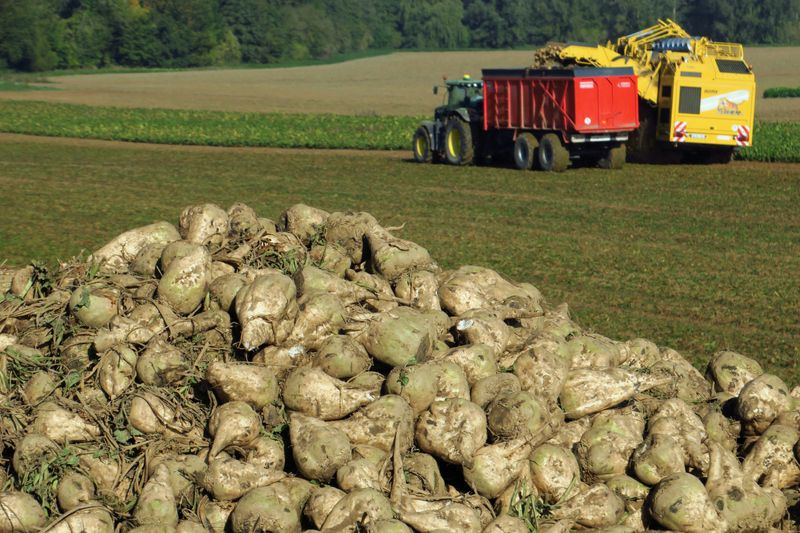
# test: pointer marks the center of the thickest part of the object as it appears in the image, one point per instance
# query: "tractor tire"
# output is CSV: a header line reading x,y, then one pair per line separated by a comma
x,y
552,155
525,151
614,159
458,147
421,146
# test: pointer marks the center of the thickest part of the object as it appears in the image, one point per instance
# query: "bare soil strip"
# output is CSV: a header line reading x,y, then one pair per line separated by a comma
x,y
393,154
71,141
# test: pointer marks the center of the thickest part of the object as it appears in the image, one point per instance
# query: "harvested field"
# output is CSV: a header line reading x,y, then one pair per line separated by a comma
x,y
396,84
776,67
698,258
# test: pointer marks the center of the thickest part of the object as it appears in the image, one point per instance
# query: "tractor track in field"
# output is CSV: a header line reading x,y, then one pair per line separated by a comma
x,y
99,143
393,154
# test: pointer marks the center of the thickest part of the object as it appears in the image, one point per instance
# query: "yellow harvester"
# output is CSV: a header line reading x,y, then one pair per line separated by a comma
x,y
696,96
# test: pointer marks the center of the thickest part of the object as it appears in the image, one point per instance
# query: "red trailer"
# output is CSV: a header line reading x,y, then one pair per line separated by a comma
x,y
554,115
545,117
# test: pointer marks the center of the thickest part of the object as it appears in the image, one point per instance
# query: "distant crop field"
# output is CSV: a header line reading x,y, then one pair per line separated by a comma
x,y
774,141
782,92
395,84
210,128
697,258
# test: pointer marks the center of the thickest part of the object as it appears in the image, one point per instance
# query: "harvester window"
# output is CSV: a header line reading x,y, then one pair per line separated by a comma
x,y
732,66
690,101
663,115
666,91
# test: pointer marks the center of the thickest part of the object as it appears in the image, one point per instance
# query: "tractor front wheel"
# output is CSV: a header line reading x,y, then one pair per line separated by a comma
x,y
458,148
552,155
421,145
525,151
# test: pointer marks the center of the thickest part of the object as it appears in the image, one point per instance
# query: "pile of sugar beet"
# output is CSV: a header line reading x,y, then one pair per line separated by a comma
x,y
319,373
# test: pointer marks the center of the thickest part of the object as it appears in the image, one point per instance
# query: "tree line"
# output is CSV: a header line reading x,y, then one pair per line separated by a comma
x,y
38,35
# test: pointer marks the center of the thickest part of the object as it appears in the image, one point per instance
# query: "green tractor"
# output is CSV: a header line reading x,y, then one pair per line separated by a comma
x,y
452,133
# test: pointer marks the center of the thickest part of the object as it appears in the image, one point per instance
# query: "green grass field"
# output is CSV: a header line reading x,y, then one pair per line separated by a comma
x,y
17,86
698,258
208,128
782,92
774,141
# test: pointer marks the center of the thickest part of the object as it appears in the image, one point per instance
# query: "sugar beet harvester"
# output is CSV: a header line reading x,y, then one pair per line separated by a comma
x,y
696,96
545,117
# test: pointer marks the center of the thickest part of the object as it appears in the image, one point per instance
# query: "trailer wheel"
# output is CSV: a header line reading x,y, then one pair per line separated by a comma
x,y
614,159
421,145
552,155
458,149
525,151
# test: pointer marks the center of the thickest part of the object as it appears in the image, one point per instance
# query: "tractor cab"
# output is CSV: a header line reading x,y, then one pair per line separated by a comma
x,y
463,95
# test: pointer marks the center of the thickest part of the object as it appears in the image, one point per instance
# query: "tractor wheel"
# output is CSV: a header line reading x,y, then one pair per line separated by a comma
x,y
421,145
614,159
525,151
458,149
552,155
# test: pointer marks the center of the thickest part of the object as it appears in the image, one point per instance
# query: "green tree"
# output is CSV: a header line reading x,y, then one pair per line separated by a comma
x,y
227,51
187,30
384,24
45,34
29,33
311,33
137,44
354,21
434,24
259,27
89,39
486,27
553,21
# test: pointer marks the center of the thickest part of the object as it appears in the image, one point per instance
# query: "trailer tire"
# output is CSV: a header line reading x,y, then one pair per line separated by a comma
x,y
525,151
614,159
421,145
458,148
552,155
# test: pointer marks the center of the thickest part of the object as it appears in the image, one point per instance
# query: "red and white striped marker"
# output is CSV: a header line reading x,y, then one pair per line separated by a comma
x,y
742,135
680,132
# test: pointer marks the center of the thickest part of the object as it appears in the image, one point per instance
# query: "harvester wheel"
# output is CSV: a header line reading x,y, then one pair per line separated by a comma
x,y
458,148
552,155
525,151
722,156
614,158
421,145
642,141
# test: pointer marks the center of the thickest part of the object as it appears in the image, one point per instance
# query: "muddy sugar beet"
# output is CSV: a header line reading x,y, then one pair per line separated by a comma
x,y
318,372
